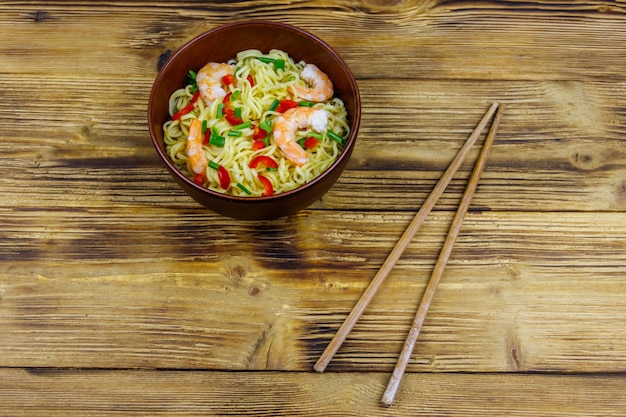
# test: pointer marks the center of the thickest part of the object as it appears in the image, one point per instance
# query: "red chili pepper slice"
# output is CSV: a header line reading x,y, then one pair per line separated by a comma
x,y
207,137
250,80
311,142
258,144
188,108
226,100
230,116
195,97
267,185
258,133
285,105
229,79
263,159
224,177
198,179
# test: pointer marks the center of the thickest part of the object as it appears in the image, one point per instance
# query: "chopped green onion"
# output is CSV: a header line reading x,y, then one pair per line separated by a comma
x,y
234,133
316,135
215,130
271,169
191,80
235,95
266,125
214,165
217,140
306,104
238,112
274,105
332,135
204,126
220,111
244,189
242,126
301,142
278,63
191,77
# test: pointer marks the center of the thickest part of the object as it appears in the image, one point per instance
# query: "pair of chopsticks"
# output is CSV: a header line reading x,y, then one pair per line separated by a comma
x,y
357,311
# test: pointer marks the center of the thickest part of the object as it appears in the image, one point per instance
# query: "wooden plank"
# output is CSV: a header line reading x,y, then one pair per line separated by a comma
x,y
67,393
431,40
176,289
547,154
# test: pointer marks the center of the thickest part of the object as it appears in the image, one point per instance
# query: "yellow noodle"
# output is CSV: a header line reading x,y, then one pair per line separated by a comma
x,y
237,152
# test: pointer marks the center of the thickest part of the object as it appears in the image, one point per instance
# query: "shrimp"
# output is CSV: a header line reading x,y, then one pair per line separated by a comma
x,y
321,86
288,123
197,157
209,80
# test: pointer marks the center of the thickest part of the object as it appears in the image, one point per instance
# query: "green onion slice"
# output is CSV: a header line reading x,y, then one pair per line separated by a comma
x,y
274,105
266,125
332,135
220,111
217,140
244,189
242,126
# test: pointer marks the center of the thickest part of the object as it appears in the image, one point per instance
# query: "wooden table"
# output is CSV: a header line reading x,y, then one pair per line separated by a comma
x,y
119,295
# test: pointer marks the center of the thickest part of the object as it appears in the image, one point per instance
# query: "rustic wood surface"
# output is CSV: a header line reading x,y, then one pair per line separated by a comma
x,y
119,295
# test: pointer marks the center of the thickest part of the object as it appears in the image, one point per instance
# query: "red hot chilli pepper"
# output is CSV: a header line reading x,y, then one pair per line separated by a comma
x,y
198,179
263,159
224,177
267,185
222,174
285,105
229,79
258,144
231,117
258,133
188,108
310,142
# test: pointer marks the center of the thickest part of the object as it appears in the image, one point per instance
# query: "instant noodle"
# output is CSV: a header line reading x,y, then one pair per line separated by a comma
x,y
258,125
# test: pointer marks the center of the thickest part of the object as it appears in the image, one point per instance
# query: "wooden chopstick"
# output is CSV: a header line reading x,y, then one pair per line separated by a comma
x,y
444,255
404,241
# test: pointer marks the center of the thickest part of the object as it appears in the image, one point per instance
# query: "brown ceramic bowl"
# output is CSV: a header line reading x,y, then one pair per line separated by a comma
x,y
220,45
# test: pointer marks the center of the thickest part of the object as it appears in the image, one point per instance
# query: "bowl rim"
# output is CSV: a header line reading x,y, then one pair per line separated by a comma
x,y
346,152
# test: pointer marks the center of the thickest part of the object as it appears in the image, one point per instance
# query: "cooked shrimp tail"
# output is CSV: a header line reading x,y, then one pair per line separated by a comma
x,y
209,80
321,86
287,125
197,158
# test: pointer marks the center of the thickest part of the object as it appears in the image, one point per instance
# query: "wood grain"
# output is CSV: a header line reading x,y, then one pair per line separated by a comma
x,y
119,294
190,393
503,305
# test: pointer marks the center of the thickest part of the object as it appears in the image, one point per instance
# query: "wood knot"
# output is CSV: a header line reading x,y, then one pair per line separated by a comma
x,y
236,274
39,16
163,59
584,161
254,290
